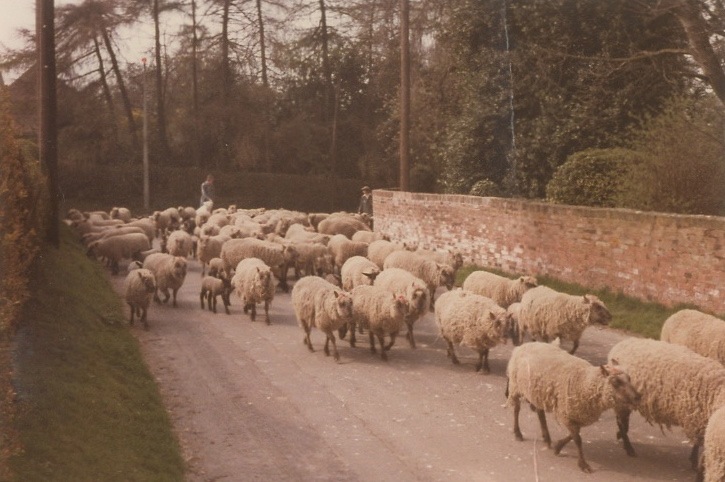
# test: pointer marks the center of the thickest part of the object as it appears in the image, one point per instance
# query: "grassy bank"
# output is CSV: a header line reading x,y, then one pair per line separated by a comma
x,y
628,313
88,408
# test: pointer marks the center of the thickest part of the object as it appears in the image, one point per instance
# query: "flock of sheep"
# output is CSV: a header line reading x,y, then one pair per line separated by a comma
x,y
350,279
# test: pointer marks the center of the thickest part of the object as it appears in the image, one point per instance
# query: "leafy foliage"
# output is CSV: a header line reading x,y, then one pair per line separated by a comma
x,y
485,188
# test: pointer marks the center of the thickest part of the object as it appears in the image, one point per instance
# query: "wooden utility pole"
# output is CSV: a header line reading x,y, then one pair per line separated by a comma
x,y
404,96
47,111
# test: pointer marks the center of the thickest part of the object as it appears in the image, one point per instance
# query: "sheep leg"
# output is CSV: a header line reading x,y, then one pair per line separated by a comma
x,y
327,346
573,348
452,352
114,267
225,299
253,312
574,434
306,340
212,302
383,354
342,331
353,339
483,361
372,343
175,290
392,341
517,409
143,318
133,312
201,298
165,291
694,459
331,337
409,335
544,427
623,431
156,296
266,312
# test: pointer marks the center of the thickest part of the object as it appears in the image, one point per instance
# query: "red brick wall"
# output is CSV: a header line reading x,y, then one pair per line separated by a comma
x,y
653,256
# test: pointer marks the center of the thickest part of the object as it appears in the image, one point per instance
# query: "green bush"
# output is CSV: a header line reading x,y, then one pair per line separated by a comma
x,y
485,188
591,178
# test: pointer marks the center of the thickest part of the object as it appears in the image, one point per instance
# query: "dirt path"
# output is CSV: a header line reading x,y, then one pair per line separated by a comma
x,y
249,402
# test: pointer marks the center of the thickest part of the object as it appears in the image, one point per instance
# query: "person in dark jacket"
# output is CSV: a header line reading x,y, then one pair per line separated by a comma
x,y
366,202
207,190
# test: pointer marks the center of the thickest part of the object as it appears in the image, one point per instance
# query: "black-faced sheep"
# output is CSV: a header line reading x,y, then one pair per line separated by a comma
x,y
471,320
139,287
546,314
698,331
577,393
317,303
678,387
502,290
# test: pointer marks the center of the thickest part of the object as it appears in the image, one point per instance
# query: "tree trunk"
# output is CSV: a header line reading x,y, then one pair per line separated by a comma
x,y
265,83
325,63
226,82
698,36
160,110
104,83
195,85
121,87
404,96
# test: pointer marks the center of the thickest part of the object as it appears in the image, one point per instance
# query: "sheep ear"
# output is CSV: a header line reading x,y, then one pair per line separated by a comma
x,y
614,362
336,294
491,316
586,299
140,275
604,369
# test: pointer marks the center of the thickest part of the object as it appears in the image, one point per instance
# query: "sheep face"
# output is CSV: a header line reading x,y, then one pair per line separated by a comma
x,y
447,276
598,313
399,308
179,269
149,282
418,300
343,304
500,324
624,393
528,282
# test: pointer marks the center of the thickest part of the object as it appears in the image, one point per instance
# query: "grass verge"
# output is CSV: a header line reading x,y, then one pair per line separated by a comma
x,y
88,408
628,313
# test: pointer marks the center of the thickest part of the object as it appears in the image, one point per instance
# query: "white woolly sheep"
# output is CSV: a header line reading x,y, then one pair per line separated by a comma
x,y
139,286
276,256
211,288
576,392
116,248
186,213
315,218
162,220
432,273
179,243
451,257
343,248
380,249
546,314
147,225
111,231
124,214
218,219
714,448
678,387
357,271
382,312
170,272
323,305
369,236
502,290
254,284
341,224
312,259
216,266
471,320
210,248
698,331
174,218
397,280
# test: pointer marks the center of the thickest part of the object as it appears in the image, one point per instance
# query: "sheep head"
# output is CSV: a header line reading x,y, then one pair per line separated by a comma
x,y
598,312
148,280
399,308
624,393
343,304
447,275
528,282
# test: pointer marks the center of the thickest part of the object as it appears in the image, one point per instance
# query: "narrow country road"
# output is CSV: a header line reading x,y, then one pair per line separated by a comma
x,y
249,402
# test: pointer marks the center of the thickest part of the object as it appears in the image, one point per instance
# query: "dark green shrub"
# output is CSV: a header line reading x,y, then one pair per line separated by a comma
x,y
485,188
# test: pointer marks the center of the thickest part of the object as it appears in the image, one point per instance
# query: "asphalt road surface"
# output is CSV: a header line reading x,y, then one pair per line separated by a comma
x,y
250,402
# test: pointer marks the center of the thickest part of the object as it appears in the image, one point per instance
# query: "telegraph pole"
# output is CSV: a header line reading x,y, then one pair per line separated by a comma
x,y
404,96
146,195
48,111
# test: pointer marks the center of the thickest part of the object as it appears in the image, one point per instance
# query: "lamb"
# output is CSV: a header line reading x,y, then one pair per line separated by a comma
x,y
139,286
120,247
380,249
357,271
276,256
179,243
170,272
678,387
547,314
212,287
432,273
551,380
382,312
700,332
343,248
254,284
714,447
341,224
502,290
471,320
397,280
321,304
